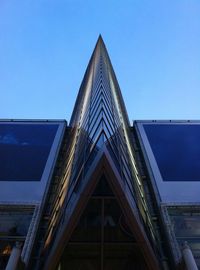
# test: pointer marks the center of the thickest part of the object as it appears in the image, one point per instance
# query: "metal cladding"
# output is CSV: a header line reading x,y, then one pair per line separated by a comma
x,y
98,193
99,142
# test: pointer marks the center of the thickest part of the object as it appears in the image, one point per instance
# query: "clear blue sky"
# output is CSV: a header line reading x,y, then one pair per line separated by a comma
x,y
154,45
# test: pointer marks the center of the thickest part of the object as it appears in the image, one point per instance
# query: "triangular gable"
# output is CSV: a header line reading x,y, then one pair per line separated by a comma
x,y
102,165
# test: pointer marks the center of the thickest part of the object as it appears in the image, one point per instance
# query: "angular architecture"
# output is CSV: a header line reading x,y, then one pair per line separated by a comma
x,y
99,193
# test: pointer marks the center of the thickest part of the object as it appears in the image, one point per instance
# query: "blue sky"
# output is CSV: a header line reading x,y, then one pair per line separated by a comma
x,y
45,46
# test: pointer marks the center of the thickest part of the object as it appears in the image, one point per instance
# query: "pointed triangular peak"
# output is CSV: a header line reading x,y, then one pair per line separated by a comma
x,y
101,145
99,41
99,109
99,76
86,87
101,218
100,234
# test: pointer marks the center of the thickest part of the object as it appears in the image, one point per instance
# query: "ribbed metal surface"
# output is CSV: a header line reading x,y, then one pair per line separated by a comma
x,y
99,121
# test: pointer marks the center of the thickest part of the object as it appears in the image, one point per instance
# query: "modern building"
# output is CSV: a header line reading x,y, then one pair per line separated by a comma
x,y
99,193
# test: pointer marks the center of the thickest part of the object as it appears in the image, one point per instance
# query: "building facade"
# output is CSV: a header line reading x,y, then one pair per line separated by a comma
x,y
99,193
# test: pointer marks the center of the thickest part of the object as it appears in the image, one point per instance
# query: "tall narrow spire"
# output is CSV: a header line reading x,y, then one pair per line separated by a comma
x,y
100,139
100,120
99,116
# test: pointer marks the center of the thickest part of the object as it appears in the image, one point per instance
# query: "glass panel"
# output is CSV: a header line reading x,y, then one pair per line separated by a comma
x,y
102,238
13,224
84,257
94,105
96,89
108,112
103,188
185,223
89,226
24,149
116,228
108,100
176,149
5,250
123,257
97,128
95,118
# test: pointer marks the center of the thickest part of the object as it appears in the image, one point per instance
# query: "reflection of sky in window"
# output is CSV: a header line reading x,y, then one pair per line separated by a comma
x,y
24,149
14,223
177,150
186,228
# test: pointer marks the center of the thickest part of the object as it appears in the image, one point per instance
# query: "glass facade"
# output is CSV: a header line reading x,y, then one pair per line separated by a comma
x,y
185,225
14,225
106,195
100,120
28,151
171,153
24,149
99,126
176,149
102,238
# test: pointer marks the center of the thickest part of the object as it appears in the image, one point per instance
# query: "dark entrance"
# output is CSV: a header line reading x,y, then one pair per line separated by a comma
x,y
102,239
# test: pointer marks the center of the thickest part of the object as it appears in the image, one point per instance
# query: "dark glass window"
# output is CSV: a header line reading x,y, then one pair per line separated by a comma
x,y
185,223
89,226
176,149
5,251
14,223
24,149
102,238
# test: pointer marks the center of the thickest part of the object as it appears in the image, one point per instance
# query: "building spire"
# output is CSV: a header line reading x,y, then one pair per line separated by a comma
x,y
100,136
100,120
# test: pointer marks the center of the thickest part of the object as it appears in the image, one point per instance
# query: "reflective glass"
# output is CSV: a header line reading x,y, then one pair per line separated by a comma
x,y
116,228
89,226
176,149
24,149
13,224
185,223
